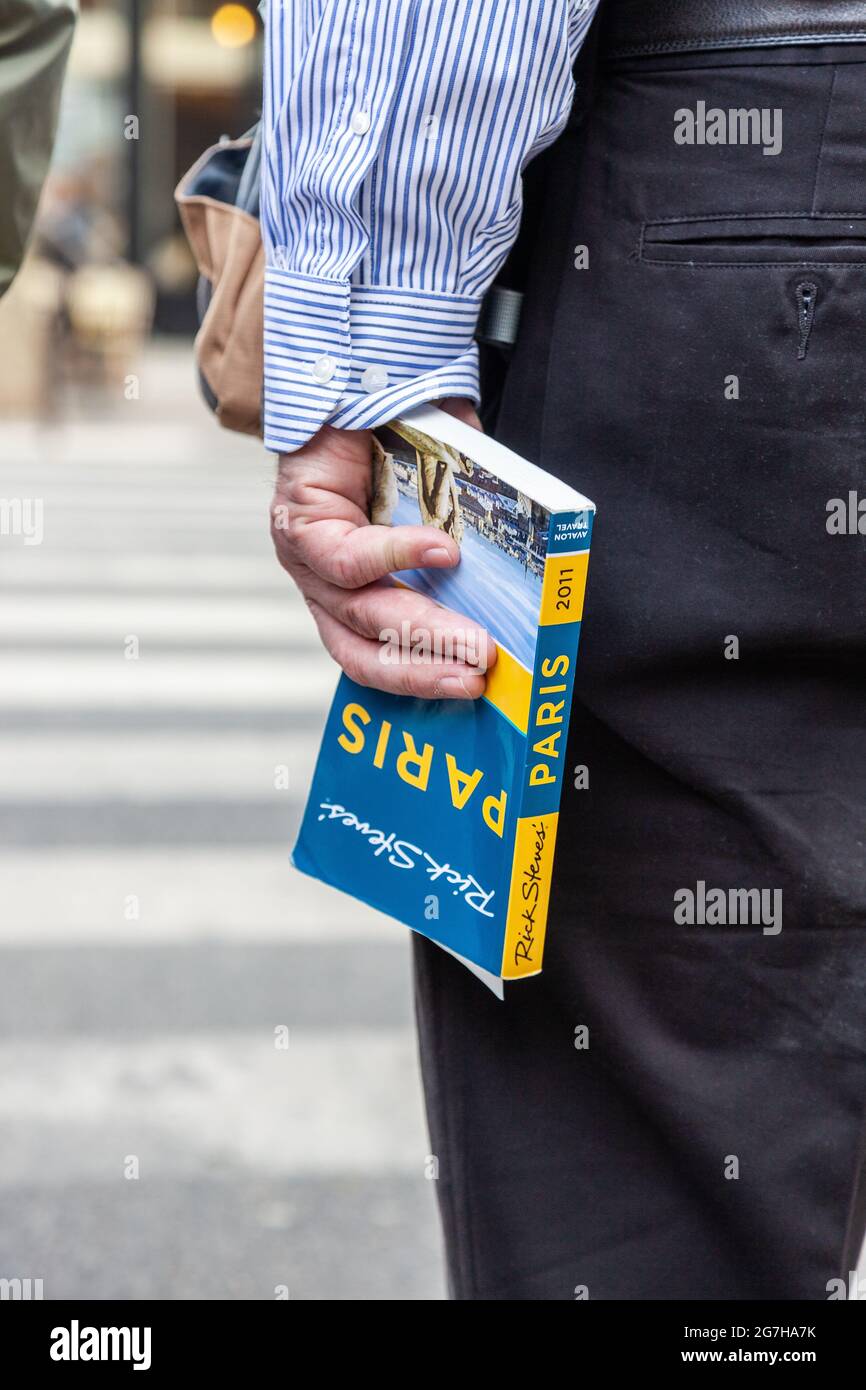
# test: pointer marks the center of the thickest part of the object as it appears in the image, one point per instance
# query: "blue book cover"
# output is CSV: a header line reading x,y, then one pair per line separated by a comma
x,y
443,814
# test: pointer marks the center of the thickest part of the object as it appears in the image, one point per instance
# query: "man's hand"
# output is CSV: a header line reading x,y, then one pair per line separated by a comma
x,y
341,564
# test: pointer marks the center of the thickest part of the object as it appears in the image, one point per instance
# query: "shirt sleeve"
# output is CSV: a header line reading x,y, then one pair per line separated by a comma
x,y
394,136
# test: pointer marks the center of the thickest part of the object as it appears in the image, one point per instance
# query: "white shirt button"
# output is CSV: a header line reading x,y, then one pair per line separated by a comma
x,y
374,379
323,369
360,122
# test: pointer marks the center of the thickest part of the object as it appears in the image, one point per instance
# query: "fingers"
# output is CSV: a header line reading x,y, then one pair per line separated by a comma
x,y
319,517
382,635
362,555
404,622
350,555
362,660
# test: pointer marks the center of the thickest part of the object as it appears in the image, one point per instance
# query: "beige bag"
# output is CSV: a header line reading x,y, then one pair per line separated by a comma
x,y
218,203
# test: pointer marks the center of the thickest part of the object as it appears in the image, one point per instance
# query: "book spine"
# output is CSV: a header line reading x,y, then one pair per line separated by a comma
x,y
562,596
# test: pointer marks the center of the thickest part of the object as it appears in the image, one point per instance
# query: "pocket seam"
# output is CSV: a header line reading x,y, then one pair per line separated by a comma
x,y
809,215
812,216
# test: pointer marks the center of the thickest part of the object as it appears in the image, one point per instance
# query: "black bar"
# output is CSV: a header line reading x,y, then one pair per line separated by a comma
x,y
233,1338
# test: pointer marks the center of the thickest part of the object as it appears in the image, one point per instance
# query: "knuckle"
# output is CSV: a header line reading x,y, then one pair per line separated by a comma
x,y
356,610
284,520
288,514
292,489
392,556
409,682
296,530
344,569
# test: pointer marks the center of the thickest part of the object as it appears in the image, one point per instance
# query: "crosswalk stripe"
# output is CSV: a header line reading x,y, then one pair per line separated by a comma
x,y
45,681
31,569
181,822
182,1104
176,897
49,767
90,496
282,620
174,537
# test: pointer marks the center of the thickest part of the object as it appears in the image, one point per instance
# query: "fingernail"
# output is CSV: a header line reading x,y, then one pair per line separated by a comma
x,y
438,555
452,685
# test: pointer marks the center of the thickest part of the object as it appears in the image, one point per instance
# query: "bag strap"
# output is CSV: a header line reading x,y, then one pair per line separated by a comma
x,y
248,196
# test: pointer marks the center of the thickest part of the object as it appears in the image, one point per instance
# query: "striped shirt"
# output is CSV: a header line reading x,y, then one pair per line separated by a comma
x,y
395,132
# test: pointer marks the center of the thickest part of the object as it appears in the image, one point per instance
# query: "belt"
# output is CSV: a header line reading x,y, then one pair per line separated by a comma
x,y
643,28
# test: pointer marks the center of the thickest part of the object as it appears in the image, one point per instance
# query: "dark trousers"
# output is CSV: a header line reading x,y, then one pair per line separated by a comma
x,y
702,1138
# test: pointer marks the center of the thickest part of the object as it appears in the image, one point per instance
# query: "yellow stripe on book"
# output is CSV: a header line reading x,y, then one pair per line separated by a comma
x,y
509,688
564,588
528,899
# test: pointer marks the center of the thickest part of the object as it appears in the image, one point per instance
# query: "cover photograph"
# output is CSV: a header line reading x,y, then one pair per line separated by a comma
x,y
443,814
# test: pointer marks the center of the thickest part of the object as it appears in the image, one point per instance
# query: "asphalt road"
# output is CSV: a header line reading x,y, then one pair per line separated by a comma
x,y
155,944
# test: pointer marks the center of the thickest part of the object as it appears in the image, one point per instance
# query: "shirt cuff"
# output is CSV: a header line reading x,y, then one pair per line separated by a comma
x,y
356,356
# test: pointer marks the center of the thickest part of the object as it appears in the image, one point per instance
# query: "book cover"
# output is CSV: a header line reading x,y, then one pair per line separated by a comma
x,y
443,814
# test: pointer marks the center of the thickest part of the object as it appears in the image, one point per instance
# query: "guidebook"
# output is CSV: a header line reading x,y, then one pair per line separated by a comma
x,y
441,813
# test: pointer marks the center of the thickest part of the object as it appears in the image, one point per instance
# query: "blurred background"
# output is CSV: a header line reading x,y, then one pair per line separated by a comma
x,y
208,1077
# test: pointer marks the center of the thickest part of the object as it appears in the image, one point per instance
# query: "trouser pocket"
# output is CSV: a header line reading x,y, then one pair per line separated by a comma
x,y
748,239
817,255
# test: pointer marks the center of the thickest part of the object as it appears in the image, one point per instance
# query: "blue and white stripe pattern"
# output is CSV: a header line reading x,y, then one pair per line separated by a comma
x,y
395,132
